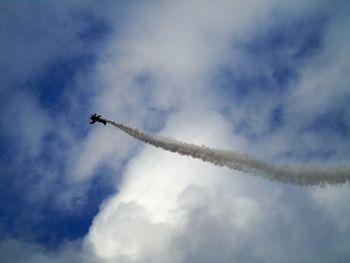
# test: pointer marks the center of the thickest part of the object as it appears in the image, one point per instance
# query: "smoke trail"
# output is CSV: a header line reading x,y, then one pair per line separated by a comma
x,y
242,162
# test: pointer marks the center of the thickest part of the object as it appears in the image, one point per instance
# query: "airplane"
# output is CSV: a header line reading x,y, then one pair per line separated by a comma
x,y
97,118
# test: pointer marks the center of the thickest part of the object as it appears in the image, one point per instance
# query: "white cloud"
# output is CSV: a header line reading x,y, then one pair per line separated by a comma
x,y
147,204
95,150
177,53
324,80
175,209
335,202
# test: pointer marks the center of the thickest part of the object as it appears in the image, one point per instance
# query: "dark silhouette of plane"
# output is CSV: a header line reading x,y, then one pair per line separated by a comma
x,y
97,118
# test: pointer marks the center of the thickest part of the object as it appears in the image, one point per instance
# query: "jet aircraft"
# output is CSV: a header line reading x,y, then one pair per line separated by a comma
x,y
97,118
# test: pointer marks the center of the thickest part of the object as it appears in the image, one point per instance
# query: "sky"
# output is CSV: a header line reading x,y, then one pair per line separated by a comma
x,y
266,78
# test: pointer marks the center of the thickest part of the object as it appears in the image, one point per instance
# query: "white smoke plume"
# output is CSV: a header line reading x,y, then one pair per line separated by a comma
x,y
297,175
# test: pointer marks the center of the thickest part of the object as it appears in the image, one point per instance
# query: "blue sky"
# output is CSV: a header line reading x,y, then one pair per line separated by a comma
x,y
259,77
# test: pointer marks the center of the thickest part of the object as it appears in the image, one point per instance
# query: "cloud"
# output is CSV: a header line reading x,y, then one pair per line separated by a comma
x,y
152,175
15,250
192,211
178,72
160,68
46,50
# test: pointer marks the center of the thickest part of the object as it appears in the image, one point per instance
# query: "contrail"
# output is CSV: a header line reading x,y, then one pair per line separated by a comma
x,y
297,175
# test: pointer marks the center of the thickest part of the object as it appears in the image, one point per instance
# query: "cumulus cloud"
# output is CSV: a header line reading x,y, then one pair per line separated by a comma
x,y
190,70
139,206
189,210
